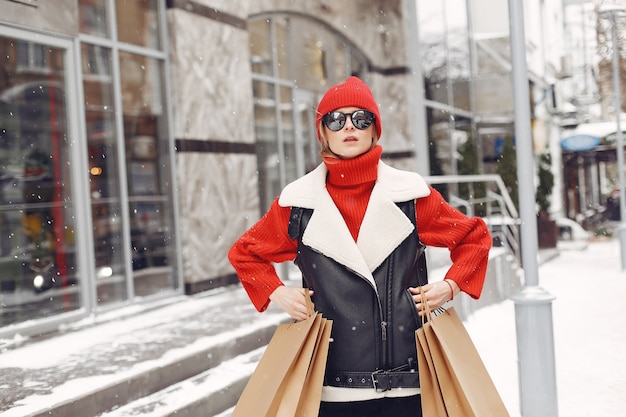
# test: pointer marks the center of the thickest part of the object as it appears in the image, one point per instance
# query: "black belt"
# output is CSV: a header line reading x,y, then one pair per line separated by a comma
x,y
401,377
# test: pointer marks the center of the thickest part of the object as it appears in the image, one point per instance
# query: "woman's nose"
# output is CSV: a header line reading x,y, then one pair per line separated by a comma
x,y
349,120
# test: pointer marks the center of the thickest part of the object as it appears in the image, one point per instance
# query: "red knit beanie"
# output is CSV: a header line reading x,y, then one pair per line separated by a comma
x,y
352,93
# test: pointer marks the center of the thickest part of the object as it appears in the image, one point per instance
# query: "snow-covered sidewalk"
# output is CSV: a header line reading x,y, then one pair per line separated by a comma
x,y
589,317
589,322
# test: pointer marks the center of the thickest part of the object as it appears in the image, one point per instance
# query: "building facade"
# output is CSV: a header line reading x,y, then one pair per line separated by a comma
x,y
591,184
139,139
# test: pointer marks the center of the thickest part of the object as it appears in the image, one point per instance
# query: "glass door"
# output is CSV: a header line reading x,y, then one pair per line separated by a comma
x,y
306,134
129,151
38,260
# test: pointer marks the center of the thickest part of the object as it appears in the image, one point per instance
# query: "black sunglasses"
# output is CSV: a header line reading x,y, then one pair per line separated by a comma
x,y
361,119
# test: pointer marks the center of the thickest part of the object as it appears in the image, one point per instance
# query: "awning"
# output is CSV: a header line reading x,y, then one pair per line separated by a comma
x,y
579,143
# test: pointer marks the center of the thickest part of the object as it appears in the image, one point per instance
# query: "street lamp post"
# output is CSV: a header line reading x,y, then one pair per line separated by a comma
x,y
533,304
611,13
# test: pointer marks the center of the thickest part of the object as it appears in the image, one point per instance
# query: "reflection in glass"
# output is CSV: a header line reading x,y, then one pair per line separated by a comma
x,y
38,272
266,132
147,166
103,174
340,60
446,60
432,35
288,132
357,66
313,55
458,53
260,46
307,133
93,17
309,58
137,22
283,46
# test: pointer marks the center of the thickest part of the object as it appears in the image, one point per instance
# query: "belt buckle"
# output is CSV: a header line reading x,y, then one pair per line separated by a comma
x,y
376,380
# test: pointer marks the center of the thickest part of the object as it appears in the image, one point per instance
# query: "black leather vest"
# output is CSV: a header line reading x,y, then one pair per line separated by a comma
x,y
373,326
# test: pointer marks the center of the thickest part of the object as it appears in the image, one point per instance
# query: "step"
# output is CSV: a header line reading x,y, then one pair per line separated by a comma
x,y
179,372
211,393
106,368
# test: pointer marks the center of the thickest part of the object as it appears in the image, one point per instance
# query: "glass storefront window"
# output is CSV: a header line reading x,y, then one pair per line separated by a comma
x,y
266,132
309,58
137,22
314,55
147,156
93,17
306,131
311,66
288,132
458,53
48,213
357,66
340,60
440,135
432,34
283,46
31,56
447,68
38,271
260,47
129,153
103,173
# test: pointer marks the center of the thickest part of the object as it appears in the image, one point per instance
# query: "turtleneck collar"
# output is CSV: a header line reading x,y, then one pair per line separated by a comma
x,y
360,170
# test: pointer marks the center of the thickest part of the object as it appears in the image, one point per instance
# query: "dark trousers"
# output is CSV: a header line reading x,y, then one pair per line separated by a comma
x,y
384,407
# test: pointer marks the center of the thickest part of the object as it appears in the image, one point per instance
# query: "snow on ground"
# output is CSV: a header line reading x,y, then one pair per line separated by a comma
x,y
589,323
74,364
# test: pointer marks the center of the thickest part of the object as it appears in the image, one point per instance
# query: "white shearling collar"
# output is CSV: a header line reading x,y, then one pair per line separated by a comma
x,y
384,225
398,185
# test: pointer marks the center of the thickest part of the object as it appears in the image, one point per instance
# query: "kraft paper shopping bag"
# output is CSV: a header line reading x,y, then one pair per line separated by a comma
x,y
287,381
464,383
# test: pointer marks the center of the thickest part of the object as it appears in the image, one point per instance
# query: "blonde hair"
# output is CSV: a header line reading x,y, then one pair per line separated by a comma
x,y
325,150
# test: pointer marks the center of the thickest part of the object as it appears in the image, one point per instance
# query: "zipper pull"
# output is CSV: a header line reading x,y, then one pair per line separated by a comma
x,y
383,325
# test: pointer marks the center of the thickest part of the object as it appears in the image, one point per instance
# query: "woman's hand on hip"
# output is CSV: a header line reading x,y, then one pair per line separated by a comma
x,y
436,293
293,301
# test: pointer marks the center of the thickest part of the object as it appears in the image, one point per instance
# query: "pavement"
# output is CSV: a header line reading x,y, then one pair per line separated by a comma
x,y
95,368
189,357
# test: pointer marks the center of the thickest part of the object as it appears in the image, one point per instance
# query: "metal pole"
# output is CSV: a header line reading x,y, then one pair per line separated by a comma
x,y
619,146
533,305
417,118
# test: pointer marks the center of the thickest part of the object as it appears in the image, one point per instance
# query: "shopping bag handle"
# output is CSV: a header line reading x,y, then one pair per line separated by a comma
x,y
428,316
309,302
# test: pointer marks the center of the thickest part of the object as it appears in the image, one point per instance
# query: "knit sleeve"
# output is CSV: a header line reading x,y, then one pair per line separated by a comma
x,y
467,238
254,253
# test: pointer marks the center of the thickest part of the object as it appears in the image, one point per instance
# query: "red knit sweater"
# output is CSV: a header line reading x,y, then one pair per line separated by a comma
x,y
350,183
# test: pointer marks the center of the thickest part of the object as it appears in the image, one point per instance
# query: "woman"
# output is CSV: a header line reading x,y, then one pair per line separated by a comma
x,y
356,229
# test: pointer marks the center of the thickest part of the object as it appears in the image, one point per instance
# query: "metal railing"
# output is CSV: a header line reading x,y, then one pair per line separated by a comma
x,y
497,207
